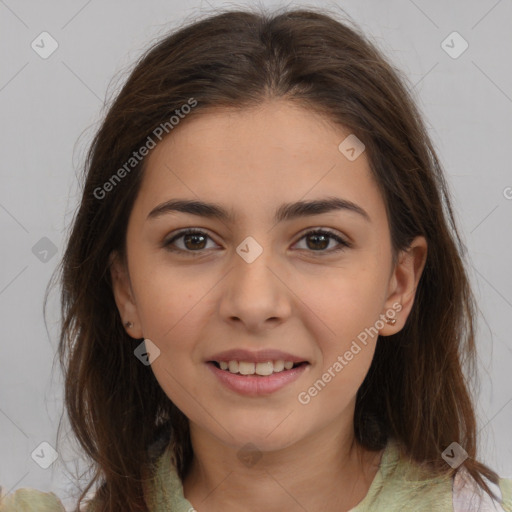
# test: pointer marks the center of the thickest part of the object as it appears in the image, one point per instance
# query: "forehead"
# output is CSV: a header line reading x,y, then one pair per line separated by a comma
x,y
278,152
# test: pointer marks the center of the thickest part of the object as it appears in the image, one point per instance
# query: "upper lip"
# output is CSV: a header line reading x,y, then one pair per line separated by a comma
x,y
259,356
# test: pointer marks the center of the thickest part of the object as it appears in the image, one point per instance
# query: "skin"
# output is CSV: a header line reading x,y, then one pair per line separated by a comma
x,y
297,296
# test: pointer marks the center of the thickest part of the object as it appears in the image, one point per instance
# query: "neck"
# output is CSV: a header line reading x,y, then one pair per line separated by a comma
x,y
327,471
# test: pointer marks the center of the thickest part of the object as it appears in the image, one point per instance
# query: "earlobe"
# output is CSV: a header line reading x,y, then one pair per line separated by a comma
x,y
403,284
123,295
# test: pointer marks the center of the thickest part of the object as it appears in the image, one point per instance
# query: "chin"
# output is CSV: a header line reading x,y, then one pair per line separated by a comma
x,y
265,439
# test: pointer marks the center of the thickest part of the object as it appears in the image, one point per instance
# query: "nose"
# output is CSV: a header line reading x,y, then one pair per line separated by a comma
x,y
255,296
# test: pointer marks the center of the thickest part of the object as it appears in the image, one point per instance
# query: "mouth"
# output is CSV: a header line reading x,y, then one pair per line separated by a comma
x,y
258,369
256,379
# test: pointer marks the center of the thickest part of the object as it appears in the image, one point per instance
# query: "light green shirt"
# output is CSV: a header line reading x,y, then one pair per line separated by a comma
x,y
399,485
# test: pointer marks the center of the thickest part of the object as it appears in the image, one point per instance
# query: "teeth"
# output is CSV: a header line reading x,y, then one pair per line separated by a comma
x,y
265,368
279,365
245,368
248,368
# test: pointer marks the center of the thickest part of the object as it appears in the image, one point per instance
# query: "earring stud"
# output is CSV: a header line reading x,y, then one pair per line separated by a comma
x,y
391,321
128,325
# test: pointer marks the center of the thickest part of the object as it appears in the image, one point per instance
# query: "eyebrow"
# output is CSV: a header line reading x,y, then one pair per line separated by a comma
x,y
288,211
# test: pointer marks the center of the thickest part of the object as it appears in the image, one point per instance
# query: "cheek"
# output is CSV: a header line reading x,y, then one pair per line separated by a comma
x,y
343,303
170,315
171,305
167,298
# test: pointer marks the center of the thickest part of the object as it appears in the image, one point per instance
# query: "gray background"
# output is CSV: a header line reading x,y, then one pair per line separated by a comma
x,y
51,107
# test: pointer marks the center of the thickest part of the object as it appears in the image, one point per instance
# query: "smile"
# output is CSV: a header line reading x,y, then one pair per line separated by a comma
x,y
255,379
250,368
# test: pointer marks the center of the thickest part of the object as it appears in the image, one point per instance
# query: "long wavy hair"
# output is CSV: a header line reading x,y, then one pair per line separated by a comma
x,y
417,388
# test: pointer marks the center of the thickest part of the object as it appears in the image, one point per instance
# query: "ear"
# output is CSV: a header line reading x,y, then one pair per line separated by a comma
x,y
403,283
123,295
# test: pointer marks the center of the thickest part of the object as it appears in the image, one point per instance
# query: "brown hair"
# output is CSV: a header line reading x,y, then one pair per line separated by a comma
x,y
415,390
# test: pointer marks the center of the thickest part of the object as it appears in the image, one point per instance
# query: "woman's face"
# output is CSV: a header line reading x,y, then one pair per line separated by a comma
x,y
253,281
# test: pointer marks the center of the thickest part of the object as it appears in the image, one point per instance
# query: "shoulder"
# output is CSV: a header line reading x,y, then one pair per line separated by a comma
x,y
469,497
402,480
30,500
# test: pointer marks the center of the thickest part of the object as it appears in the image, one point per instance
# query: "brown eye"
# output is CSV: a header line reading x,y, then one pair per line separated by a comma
x,y
319,240
193,241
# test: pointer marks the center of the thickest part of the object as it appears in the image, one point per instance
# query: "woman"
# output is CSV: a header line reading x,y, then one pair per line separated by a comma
x,y
265,305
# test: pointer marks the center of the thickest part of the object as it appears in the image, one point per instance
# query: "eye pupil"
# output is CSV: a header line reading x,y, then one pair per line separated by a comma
x,y
324,243
193,236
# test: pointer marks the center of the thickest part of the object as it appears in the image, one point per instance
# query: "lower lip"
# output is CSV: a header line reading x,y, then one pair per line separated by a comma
x,y
255,384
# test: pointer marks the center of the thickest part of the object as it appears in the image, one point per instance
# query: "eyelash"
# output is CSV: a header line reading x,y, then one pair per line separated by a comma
x,y
343,244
